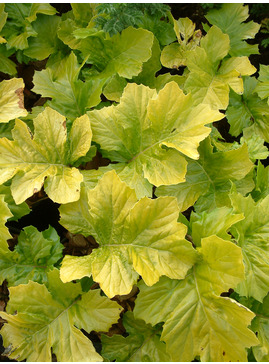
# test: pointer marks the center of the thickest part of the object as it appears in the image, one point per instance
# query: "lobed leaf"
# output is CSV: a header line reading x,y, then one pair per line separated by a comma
x,y
11,100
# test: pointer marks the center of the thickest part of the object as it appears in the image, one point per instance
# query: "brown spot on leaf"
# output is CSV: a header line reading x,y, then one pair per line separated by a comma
x,y
19,93
64,124
223,353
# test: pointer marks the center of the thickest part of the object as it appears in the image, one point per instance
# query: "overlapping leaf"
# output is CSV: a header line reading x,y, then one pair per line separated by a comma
x,y
29,160
142,344
262,87
41,318
148,132
261,183
252,235
231,20
211,76
208,179
248,110
197,321
33,257
17,210
135,238
70,96
11,99
5,214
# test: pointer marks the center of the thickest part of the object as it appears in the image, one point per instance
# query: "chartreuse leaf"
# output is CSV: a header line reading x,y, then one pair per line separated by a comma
x,y
33,257
248,110
6,65
252,235
197,321
174,55
17,210
208,179
262,87
41,318
11,99
148,132
134,237
142,344
3,18
48,154
261,183
4,215
260,324
70,96
231,20
211,75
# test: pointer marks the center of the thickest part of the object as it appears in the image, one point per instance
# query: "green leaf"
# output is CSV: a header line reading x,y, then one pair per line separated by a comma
x,y
211,75
7,66
149,132
252,236
40,318
142,344
70,96
197,321
262,87
256,147
260,324
11,99
231,20
208,179
261,183
40,9
248,110
33,257
46,42
5,215
49,154
134,237
17,210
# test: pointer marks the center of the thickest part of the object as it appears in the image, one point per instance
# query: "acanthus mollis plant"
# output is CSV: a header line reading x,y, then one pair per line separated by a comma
x,y
161,252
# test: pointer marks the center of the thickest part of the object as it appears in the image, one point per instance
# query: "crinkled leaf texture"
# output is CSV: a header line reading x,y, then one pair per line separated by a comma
x,y
135,237
4,215
42,317
211,74
252,235
148,133
11,99
49,154
231,20
142,344
208,179
33,257
197,321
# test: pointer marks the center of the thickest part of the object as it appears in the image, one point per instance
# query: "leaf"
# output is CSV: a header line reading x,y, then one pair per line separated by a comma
x,y
51,317
149,132
208,178
4,216
17,210
262,87
142,344
260,324
211,75
11,100
134,237
70,96
252,235
256,147
231,20
7,66
49,154
197,321
248,110
261,183
33,257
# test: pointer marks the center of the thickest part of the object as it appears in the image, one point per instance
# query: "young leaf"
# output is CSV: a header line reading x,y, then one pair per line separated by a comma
x,y
248,110
33,257
252,236
134,237
196,320
142,344
41,318
231,20
49,154
211,75
70,96
209,178
11,99
5,214
148,132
